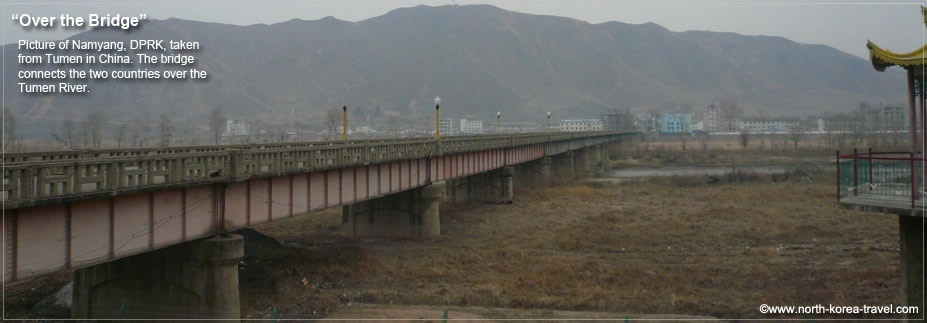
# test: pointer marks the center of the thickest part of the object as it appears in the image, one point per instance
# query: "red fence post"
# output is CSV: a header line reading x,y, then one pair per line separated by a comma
x,y
855,173
870,169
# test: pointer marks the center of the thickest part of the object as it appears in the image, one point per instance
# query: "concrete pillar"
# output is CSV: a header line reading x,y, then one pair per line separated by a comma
x,y
564,167
431,211
493,187
912,261
544,170
411,213
507,185
603,158
193,280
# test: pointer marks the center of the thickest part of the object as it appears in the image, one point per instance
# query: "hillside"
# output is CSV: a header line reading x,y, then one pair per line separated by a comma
x,y
480,59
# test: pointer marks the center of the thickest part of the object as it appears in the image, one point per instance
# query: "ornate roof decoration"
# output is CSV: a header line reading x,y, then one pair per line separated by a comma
x,y
883,58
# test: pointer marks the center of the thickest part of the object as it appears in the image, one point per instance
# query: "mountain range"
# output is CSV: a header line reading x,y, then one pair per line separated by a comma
x,y
480,59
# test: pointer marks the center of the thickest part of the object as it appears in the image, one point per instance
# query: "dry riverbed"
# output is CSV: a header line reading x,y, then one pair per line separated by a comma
x,y
689,246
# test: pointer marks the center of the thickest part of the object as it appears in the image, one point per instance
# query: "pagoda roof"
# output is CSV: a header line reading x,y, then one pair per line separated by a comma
x,y
914,61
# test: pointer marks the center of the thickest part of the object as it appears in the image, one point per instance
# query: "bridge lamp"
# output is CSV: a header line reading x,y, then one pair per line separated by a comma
x,y
498,122
548,123
344,123
437,118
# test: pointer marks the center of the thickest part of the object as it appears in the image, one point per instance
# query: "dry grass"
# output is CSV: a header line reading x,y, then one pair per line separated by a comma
x,y
637,247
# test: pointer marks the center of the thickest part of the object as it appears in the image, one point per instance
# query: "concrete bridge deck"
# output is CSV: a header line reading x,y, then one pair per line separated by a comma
x,y
72,209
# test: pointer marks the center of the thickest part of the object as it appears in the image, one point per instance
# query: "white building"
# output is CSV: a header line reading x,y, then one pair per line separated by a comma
x,y
711,118
236,128
471,126
447,127
581,125
756,125
518,127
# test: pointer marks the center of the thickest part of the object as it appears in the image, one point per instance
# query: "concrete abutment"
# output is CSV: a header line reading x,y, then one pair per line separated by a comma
x,y
197,279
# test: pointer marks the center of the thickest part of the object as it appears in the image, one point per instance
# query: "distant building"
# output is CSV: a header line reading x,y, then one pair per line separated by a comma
x,y
768,125
617,121
646,122
894,118
447,127
236,128
841,123
520,127
711,118
581,125
471,126
675,123
698,126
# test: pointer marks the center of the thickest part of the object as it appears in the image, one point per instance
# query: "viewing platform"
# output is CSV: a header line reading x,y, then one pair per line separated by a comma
x,y
884,182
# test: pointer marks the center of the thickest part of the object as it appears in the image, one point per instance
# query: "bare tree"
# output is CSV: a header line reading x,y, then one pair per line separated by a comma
x,y
744,138
69,132
730,111
95,122
331,122
140,130
216,123
9,129
703,139
135,133
166,129
121,134
796,132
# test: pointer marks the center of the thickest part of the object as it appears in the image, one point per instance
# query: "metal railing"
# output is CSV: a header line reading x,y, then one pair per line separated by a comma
x,y
880,175
53,176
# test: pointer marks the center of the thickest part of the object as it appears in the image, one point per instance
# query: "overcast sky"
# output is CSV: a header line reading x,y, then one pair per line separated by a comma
x,y
845,25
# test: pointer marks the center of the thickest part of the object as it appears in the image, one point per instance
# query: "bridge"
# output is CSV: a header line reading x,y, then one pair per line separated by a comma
x,y
147,228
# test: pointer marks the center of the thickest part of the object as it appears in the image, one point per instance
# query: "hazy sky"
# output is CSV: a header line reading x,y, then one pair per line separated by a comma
x,y
845,25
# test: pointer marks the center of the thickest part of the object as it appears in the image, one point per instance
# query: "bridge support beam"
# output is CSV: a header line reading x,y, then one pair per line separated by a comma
x,y
494,187
603,158
534,172
563,167
412,213
912,261
581,162
193,280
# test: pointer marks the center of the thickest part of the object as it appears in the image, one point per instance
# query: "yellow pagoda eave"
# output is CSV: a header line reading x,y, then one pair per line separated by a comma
x,y
882,58
913,61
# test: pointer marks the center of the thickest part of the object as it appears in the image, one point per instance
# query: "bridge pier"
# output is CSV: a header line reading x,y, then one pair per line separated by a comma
x,y
412,213
197,279
563,167
544,170
535,172
603,157
494,187
912,261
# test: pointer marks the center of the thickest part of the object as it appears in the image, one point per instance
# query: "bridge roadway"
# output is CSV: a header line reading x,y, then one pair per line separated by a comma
x,y
74,209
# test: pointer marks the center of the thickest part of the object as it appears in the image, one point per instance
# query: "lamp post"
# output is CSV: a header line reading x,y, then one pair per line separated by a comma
x,y
548,123
344,123
437,118
498,122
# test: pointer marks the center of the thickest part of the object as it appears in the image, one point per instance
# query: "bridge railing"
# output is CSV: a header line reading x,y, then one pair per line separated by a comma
x,y
33,178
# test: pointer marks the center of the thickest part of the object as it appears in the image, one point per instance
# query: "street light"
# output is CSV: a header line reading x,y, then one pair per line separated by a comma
x,y
344,123
498,122
548,123
437,118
